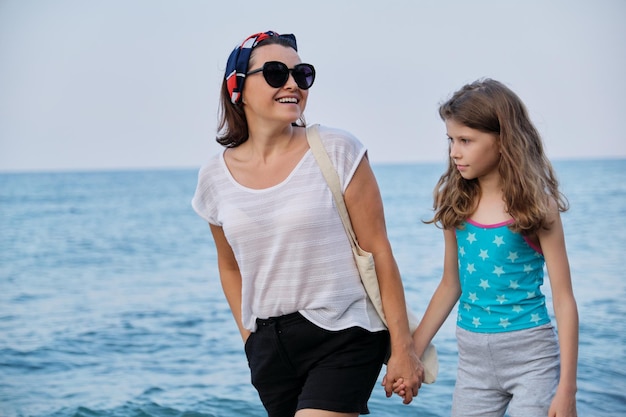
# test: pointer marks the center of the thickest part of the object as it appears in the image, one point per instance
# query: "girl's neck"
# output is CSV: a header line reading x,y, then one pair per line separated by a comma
x,y
490,183
491,208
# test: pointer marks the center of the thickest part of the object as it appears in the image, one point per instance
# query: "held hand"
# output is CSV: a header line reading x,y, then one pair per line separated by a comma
x,y
404,376
399,387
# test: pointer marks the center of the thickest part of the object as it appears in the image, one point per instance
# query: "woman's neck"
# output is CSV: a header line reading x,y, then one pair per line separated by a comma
x,y
267,142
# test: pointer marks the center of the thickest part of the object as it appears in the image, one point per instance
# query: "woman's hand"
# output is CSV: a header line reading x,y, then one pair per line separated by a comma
x,y
404,377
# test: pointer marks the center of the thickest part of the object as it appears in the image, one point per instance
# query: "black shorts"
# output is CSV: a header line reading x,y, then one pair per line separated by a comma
x,y
296,364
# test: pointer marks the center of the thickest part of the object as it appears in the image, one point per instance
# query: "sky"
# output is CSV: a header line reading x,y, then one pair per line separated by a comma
x,y
134,84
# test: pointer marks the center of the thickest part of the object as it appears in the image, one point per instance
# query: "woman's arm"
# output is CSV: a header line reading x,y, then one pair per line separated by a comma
x,y
552,243
230,277
365,207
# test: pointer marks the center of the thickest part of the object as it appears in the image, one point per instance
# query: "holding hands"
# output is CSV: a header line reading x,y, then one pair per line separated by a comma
x,y
404,377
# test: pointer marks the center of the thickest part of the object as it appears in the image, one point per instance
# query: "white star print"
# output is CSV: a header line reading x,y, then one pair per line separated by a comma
x,y
530,294
535,318
504,323
483,254
501,298
528,268
476,321
517,308
513,256
470,268
462,251
484,283
467,306
471,237
499,240
472,296
498,270
513,285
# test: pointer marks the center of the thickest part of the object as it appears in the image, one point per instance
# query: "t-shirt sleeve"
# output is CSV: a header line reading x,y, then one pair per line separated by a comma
x,y
204,201
345,152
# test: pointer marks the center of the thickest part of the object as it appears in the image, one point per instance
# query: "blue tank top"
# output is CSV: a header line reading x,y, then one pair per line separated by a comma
x,y
501,274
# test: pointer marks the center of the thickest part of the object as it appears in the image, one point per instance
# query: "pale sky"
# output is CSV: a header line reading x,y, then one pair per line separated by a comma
x,y
117,84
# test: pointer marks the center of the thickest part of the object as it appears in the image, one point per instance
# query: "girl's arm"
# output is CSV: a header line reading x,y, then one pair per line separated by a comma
x,y
365,208
230,276
565,310
441,304
443,300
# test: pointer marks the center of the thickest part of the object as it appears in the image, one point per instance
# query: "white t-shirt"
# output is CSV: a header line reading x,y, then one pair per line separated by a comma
x,y
291,248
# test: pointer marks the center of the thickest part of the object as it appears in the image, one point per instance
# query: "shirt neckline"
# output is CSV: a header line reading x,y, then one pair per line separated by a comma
x,y
232,179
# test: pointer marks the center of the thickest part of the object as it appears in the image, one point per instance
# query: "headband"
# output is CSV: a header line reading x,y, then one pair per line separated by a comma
x,y
237,65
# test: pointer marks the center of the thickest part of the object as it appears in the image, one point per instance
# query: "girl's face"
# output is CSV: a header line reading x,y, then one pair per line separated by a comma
x,y
262,102
475,153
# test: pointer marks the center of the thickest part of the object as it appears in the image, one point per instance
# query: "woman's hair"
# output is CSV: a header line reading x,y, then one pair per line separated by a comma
x,y
232,128
529,184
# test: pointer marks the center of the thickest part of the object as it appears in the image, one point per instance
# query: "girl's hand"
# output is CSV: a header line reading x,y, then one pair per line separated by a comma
x,y
399,387
563,405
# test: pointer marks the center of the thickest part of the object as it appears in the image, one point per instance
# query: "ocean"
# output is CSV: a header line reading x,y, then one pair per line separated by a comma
x,y
110,301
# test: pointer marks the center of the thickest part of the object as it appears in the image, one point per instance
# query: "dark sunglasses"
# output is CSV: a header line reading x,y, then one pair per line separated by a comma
x,y
276,74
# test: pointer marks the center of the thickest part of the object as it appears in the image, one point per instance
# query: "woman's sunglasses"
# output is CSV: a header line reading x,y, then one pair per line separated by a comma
x,y
276,74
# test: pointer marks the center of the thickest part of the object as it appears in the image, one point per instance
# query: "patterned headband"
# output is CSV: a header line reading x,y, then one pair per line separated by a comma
x,y
237,65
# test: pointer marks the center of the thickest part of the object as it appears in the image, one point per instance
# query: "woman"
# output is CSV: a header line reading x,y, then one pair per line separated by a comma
x,y
314,343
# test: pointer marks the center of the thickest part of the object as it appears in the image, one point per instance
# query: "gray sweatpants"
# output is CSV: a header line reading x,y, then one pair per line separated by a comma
x,y
518,370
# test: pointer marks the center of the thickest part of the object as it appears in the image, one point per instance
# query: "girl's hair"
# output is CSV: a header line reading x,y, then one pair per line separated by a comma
x,y
232,128
529,184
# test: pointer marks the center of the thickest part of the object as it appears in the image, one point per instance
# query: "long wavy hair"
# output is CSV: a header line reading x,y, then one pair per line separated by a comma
x,y
529,183
232,128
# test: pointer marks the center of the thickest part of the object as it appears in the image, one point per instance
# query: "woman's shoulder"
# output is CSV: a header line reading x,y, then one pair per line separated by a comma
x,y
333,137
211,168
335,133
344,150
213,161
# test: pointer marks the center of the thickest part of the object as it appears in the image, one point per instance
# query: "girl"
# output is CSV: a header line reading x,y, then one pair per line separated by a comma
x,y
314,343
499,206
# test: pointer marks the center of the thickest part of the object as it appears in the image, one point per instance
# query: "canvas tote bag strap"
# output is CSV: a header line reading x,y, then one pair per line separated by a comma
x,y
429,359
363,259
330,174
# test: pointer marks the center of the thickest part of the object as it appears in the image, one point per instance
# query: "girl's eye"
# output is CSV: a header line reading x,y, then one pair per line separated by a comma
x,y
460,140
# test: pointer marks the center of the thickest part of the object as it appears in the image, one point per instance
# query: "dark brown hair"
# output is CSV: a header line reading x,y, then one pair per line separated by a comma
x,y
232,128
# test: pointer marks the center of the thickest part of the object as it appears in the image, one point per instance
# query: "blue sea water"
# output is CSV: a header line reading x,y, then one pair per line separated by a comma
x,y
110,303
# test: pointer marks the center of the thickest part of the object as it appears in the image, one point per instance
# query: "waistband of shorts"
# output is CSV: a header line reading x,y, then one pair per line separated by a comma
x,y
283,320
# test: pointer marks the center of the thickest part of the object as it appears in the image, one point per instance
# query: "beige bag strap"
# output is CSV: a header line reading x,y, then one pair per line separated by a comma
x,y
330,173
430,359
